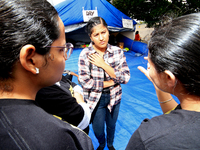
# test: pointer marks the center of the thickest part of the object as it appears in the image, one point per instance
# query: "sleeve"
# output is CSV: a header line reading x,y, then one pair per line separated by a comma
x,y
122,71
78,89
73,84
66,79
57,102
135,142
84,74
86,118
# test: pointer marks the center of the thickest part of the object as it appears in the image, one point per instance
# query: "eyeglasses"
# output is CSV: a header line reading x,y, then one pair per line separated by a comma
x,y
68,49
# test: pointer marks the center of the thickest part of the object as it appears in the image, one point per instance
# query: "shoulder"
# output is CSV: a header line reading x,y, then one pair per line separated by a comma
x,y
83,56
48,91
172,128
114,49
156,124
87,50
42,128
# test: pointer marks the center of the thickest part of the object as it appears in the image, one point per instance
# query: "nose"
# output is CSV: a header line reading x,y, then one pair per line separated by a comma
x,y
100,37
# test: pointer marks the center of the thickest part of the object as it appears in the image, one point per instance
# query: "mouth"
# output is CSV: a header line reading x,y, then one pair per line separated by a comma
x,y
102,43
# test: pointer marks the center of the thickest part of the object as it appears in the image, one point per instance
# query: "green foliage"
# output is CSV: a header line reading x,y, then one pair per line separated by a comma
x,y
152,11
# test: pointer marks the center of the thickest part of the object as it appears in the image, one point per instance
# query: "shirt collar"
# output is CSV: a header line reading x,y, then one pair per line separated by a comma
x,y
109,48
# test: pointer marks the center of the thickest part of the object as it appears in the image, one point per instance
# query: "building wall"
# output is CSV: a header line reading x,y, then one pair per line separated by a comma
x,y
145,33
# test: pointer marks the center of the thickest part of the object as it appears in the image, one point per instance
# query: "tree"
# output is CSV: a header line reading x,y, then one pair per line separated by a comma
x,y
152,11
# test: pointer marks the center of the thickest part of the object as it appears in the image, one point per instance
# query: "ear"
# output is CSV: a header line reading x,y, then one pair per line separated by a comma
x,y
27,59
170,78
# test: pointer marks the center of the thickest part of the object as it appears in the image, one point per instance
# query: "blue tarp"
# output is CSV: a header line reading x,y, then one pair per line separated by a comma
x,y
136,46
139,100
70,12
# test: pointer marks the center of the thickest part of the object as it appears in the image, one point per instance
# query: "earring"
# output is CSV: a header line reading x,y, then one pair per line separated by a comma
x,y
37,70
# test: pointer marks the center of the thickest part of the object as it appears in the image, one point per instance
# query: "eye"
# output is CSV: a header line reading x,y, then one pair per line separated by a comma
x,y
62,49
95,35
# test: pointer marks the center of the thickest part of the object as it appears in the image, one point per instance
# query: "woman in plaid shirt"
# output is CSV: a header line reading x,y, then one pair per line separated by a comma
x,y
102,68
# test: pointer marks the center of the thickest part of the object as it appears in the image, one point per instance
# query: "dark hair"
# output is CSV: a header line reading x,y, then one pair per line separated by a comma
x,y
137,32
175,46
25,22
94,22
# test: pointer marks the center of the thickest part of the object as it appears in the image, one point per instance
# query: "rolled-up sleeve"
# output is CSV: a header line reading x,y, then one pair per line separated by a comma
x,y
122,71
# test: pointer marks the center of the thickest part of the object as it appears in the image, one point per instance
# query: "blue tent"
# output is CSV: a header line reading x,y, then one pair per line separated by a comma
x,y
70,12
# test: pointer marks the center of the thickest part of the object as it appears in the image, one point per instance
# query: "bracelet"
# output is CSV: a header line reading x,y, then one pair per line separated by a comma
x,y
165,101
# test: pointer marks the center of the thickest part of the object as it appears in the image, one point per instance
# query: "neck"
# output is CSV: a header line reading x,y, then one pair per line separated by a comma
x,y
21,90
189,102
98,49
12,95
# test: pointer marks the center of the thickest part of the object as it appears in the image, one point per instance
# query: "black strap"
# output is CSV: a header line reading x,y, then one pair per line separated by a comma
x,y
90,67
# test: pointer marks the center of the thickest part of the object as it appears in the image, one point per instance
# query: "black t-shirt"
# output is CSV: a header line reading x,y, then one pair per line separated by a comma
x,y
58,101
24,125
177,130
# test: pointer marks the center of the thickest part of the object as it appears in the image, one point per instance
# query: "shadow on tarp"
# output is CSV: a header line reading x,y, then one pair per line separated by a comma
x,y
139,99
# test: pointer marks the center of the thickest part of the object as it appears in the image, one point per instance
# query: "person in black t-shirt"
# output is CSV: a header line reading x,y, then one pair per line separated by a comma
x,y
174,68
33,51
65,99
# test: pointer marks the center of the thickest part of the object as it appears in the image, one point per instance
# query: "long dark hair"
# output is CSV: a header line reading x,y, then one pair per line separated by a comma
x,y
25,22
175,46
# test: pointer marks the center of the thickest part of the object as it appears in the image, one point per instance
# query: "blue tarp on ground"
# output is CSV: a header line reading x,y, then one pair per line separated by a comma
x,y
139,99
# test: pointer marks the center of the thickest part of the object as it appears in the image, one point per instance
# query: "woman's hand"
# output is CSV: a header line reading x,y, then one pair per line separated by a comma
x,y
145,71
97,60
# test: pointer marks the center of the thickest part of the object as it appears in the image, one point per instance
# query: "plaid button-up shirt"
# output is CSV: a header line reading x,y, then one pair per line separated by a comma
x,y
92,79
